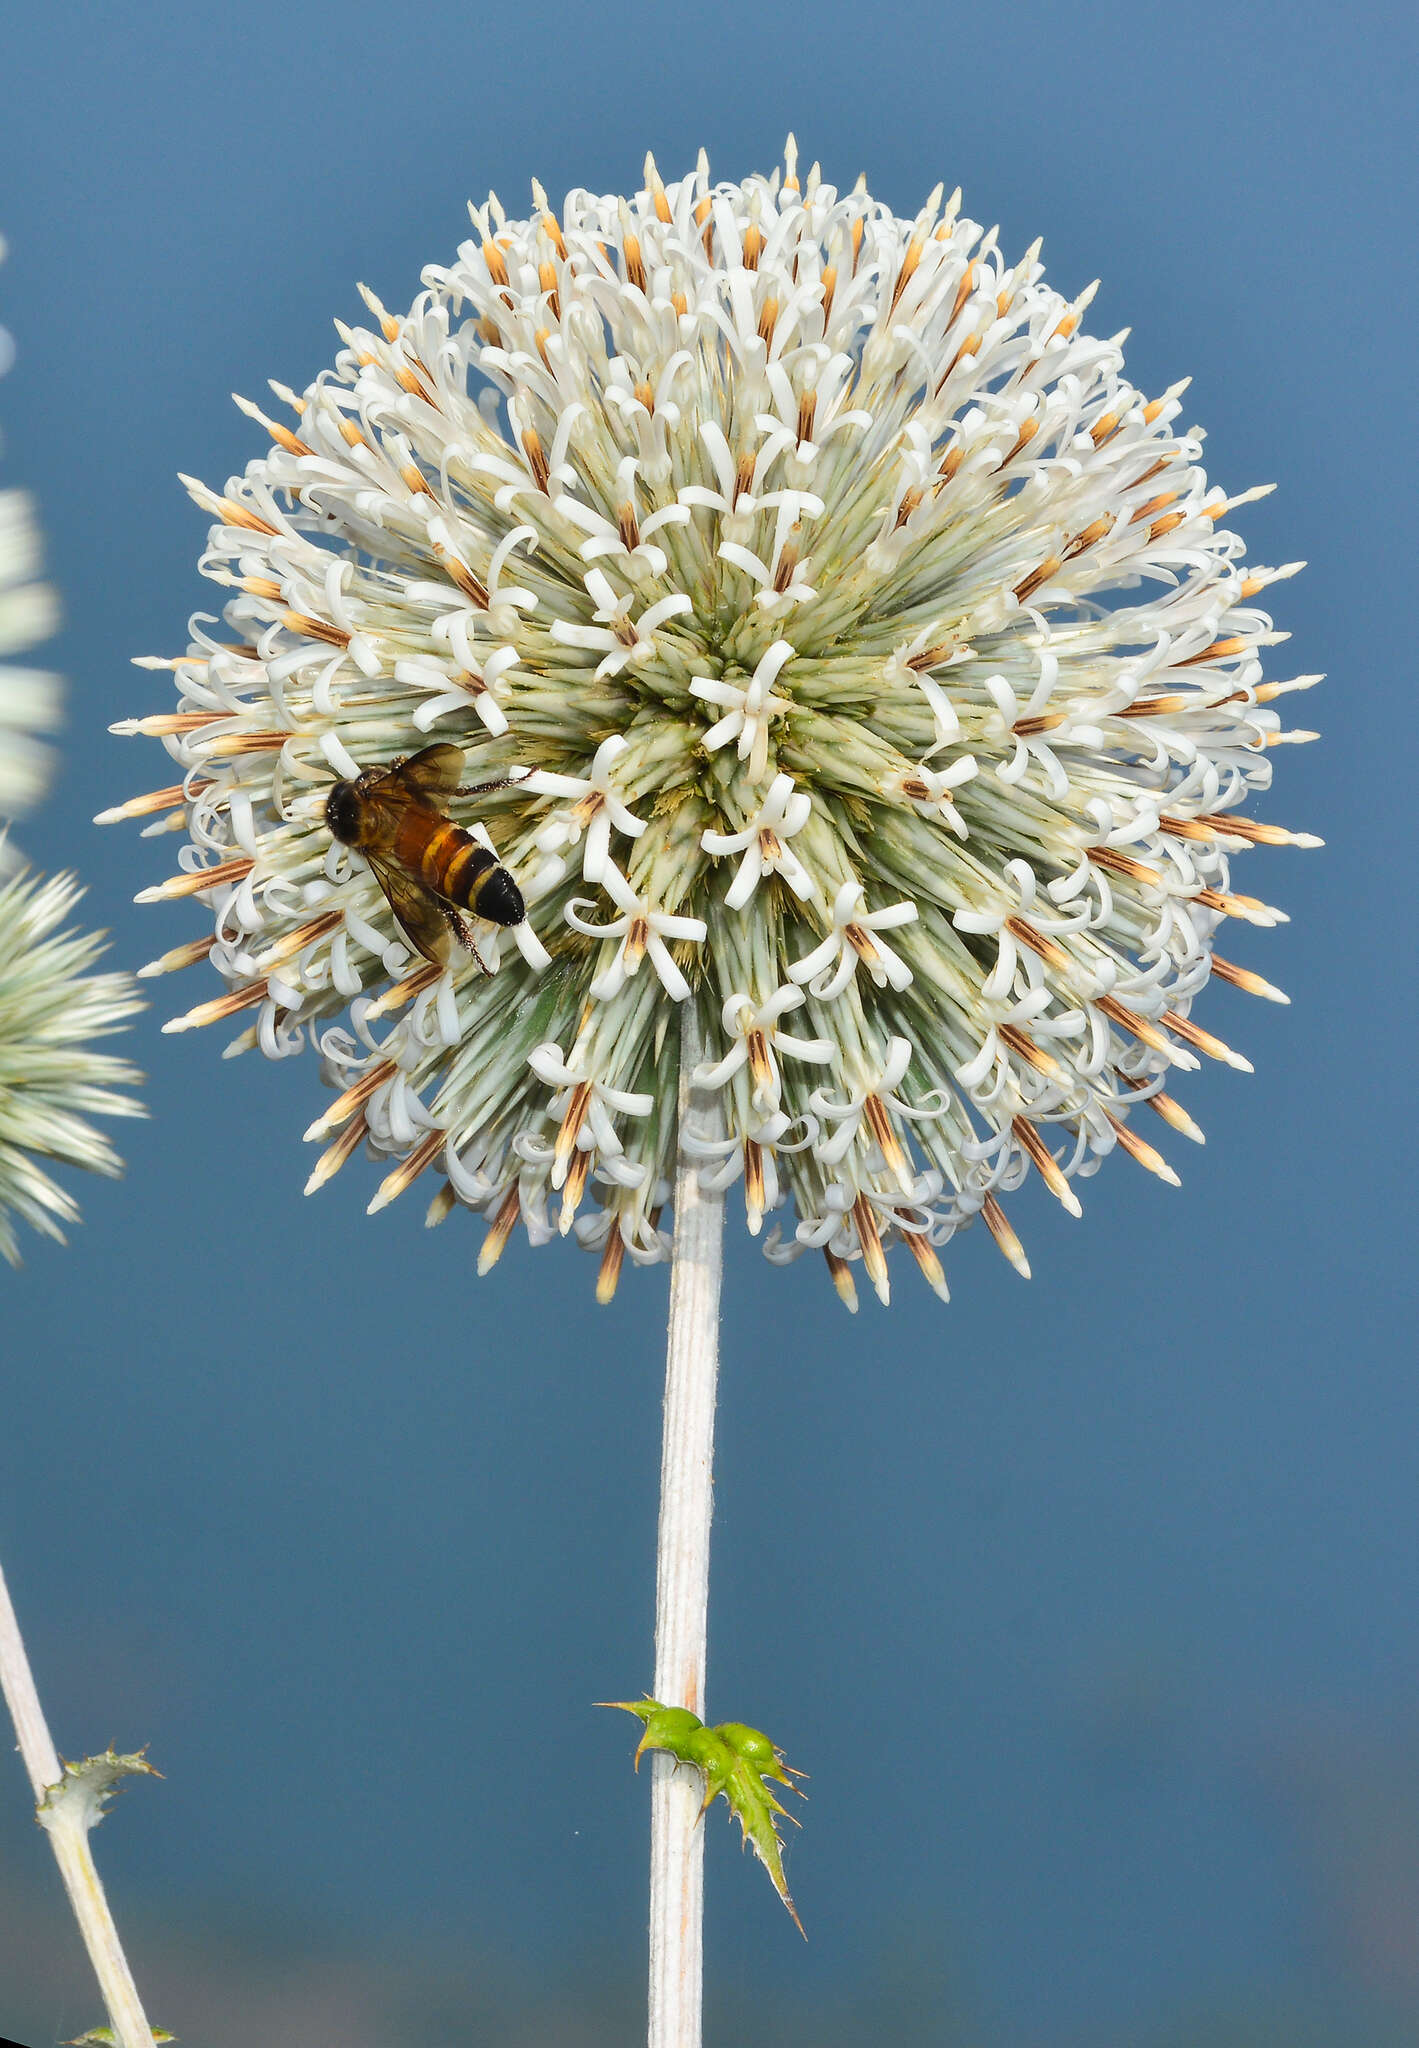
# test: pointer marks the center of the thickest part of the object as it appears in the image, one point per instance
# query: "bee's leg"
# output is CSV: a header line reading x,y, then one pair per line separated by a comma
x,y
463,932
485,788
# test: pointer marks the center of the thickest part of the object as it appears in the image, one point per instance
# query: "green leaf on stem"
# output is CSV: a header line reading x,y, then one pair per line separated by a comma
x,y
734,1760
84,1791
104,2037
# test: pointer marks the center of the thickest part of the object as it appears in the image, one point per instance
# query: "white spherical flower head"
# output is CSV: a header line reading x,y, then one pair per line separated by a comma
x,y
51,1079
29,698
814,627
51,1007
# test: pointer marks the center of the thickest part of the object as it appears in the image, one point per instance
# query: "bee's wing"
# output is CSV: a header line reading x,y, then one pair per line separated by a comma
x,y
434,772
416,908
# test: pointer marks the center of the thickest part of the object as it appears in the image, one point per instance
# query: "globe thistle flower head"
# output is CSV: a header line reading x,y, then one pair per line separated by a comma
x,y
850,652
52,1081
29,698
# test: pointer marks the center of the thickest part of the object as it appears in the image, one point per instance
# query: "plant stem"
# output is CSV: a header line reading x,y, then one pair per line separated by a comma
x,y
68,1832
682,1583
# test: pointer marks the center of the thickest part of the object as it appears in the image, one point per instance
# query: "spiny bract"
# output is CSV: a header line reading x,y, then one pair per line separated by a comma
x,y
887,683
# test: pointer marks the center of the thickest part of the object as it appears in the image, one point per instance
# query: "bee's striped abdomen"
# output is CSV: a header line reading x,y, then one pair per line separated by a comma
x,y
450,861
496,896
464,863
445,858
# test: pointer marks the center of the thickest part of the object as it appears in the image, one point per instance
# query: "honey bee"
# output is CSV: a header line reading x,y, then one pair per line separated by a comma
x,y
430,869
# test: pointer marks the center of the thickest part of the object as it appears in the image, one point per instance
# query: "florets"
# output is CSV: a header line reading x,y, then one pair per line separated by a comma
x,y
889,682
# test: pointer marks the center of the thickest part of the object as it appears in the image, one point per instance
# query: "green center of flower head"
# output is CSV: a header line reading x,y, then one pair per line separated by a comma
x,y
874,672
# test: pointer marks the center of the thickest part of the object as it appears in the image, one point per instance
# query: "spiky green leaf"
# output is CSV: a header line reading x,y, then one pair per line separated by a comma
x,y
84,1791
736,1761
104,2037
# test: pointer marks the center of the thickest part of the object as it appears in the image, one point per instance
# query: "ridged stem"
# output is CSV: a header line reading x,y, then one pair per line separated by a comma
x,y
68,1834
682,1583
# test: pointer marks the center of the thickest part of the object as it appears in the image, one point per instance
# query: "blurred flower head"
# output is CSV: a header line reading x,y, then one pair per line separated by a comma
x,y
864,660
51,1079
29,699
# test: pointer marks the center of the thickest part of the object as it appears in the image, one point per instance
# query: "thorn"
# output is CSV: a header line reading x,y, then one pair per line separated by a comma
x,y
142,806
180,956
609,1272
333,1158
1205,1042
926,1259
499,1232
993,1216
842,1280
1045,1164
220,1008
1244,978
352,1099
394,1184
1139,1149
1172,1113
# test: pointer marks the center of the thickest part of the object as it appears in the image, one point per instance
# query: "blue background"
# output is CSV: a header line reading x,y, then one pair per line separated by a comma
x,y
1090,1605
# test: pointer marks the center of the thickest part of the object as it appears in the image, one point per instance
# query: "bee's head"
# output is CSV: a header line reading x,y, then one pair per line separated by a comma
x,y
342,812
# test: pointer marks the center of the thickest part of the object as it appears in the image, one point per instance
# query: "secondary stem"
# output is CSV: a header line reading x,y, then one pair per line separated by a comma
x,y
682,1583
68,1836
